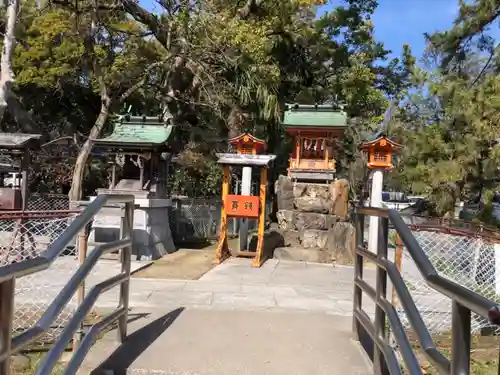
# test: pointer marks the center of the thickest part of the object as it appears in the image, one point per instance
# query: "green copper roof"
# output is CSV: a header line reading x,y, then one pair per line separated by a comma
x,y
327,116
138,130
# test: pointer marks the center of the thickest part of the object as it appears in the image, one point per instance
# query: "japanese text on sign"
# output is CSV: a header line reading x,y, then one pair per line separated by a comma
x,y
242,205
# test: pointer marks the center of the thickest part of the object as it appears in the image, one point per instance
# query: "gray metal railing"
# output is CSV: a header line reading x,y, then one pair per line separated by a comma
x,y
464,302
8,274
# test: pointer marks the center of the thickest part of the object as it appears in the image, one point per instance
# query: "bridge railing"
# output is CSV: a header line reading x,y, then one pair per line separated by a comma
x,y
10,345
464,302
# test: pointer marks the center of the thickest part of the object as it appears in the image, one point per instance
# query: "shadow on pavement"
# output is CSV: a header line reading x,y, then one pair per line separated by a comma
x,y
137,342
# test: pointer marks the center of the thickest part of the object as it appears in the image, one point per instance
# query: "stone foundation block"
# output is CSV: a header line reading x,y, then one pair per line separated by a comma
x,y
313,238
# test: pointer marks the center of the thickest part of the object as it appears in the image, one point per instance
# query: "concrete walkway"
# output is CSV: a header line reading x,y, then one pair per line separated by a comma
x,y
234,285
284,318
209,342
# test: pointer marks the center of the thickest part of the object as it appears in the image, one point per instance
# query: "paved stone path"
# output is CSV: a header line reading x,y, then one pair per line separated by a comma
x,y
191,341
235,285
285,318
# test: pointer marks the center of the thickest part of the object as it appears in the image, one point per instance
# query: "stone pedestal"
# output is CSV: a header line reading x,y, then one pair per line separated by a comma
x,y
312,219
152,236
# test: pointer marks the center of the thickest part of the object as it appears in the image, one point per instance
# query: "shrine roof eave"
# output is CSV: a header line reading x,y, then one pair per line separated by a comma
x,y
391,143
294,129
115,145
317,116
137,136
245,160
250,136
19,141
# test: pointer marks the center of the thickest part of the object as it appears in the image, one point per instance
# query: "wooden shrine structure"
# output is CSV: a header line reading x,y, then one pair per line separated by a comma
x,y
243,206
247,144
314,129
140,152
379,150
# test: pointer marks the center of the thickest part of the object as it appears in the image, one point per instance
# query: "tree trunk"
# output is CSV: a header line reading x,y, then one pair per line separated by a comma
x,y
106,106
9,42
75,193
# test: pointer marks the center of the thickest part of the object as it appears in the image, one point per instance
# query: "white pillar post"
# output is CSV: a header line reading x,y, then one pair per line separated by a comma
x,y
375,201
246,189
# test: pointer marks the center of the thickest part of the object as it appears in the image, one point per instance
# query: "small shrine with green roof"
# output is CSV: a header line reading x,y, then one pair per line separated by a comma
x,y
314,129
139,150
140,154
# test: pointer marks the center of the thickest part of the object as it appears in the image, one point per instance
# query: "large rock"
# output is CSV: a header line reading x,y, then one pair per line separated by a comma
x,y
291,238
298,220
313,197
302,255
285,219
312,220
340,194
284,193
313,204
341,242
302,189
312,238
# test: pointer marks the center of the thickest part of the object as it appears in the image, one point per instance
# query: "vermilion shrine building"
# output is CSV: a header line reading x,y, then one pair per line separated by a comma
x,y
314,129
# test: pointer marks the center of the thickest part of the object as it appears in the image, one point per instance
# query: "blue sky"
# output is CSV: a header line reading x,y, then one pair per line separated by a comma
x,y
404,21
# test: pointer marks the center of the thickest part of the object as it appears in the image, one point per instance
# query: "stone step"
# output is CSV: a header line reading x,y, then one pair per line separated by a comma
x,y
300,254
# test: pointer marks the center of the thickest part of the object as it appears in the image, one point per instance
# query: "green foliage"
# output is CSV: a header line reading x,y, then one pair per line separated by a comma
x,y
225,68
450,124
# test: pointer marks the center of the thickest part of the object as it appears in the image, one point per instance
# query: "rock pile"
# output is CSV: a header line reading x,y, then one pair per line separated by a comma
x,y
313,221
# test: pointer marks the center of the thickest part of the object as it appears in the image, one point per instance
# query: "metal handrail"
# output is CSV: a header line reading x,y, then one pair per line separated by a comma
x,y
9,273
464,301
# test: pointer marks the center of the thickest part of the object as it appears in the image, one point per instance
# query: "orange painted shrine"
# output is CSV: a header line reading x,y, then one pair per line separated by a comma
x,y
249,149
314,129
379,152
247,144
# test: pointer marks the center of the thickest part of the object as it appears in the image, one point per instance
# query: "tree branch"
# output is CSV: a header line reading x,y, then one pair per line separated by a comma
x,y
143,16
250,7
142,81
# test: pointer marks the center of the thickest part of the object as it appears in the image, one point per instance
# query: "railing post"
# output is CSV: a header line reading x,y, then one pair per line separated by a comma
x,y
461,344
398,261
126,231
82,247
6,318
379,365
358,270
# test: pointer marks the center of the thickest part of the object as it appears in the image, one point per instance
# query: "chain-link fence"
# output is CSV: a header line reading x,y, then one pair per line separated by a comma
x,y
48,202
24,236
460,251
198,219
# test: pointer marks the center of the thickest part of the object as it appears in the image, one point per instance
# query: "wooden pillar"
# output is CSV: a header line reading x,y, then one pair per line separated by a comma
x,y
297,150
113,176
161,167
327,156
140,162
260,256
222,252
